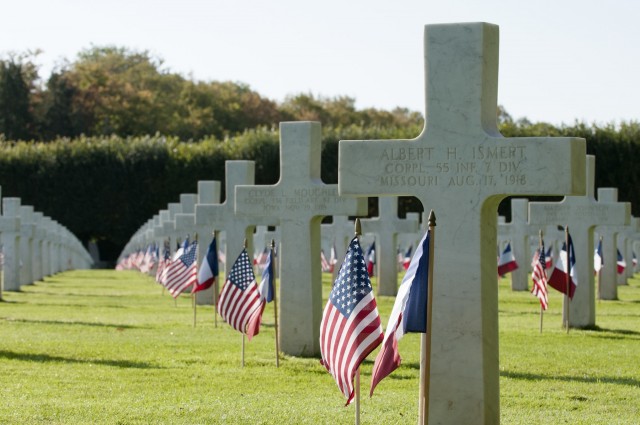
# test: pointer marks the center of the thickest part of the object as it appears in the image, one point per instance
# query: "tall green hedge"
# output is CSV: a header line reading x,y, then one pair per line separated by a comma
x,y
103,189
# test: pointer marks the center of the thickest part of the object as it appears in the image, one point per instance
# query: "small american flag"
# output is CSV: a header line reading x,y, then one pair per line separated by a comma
x,y
350,327
240,301
183,271
539,276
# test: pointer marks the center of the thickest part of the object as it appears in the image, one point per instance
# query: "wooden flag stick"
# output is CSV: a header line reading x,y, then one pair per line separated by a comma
x,y
244,330
194,284
358,232
215,285
193,302
357,395
275,302
540,258
567,300
168,243
242,349
425,338
215,301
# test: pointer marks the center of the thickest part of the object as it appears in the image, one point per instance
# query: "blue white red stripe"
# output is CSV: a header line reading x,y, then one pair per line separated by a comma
x,y
409,313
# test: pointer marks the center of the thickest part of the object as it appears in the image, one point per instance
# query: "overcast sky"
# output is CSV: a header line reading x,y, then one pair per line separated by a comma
x,y
560,60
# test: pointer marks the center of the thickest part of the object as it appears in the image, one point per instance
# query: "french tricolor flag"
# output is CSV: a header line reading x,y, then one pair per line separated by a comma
x,y
267,292
208,272
597,258
507,261
558,279
622,264
409,313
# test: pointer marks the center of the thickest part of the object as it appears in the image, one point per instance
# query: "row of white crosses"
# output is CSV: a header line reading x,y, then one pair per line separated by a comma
x,y
460,167
584,215
296,205
35,246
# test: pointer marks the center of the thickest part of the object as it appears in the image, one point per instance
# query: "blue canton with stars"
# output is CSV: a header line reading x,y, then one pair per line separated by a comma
x,y
190,256
352,283
241,273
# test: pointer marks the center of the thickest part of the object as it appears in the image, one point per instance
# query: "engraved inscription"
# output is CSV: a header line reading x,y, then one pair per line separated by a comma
x,y
593,213
312,200
454,167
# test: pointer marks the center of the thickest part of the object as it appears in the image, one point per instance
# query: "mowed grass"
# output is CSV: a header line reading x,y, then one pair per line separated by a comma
x,y
106,347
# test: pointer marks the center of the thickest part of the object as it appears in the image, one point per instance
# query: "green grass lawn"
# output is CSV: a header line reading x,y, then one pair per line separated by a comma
x,y
108,347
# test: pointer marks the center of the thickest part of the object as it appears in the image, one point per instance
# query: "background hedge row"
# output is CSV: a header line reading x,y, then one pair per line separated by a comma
x,y
103,188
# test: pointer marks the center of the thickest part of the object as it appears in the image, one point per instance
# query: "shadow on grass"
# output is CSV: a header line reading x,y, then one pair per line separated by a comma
x,y
45,358
77,294
72,323
72,305
589,380
625,332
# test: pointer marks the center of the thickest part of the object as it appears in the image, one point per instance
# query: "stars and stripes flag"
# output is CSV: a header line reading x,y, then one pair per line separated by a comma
x,y
634,260
539,277
622,264
507,261
240,303
149,259
558,279
350,328
597,258
409,313
324,263
162,264
183,270
208,272
261,258
267,292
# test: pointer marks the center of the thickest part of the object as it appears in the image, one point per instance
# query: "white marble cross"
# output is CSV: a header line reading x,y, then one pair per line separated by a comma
x,y
27,237
224,218
608,277
461,167
10,236
341,231
386,228
298,202
208,194
522,235
624,242
582,214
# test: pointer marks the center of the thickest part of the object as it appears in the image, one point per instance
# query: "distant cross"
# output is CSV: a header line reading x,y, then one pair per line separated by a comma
x,y
386,227
582,214
299,201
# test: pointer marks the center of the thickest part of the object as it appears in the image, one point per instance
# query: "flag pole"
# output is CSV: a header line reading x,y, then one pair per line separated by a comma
x,y
193,294
425,338
275,302
244,331
567,300
193,303
541,257
168,244
358,232
215,287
